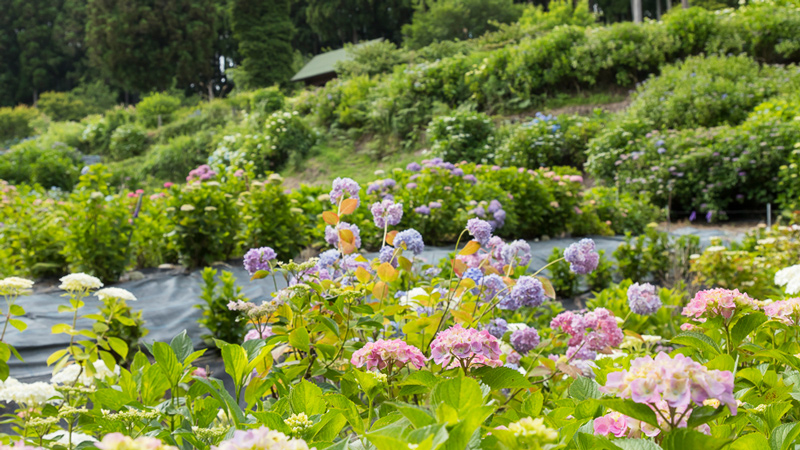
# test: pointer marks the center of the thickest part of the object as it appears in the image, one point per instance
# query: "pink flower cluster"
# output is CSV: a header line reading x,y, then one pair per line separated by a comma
x,y
386,353
677,381
591,331
621,425
717,302
202,173
465,347
260,439
787,311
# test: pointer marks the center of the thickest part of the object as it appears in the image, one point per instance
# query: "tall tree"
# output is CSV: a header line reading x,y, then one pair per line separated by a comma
x,y
39,55
9,62
144,45
356,20
263,31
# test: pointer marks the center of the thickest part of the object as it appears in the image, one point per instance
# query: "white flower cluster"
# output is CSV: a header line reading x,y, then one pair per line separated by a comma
x,y
115,293
27,394
75,282
298,423
529,427
67,375
789,277
15,286
62,437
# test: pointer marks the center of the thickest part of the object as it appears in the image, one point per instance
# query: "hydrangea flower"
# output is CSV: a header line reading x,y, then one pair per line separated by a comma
x,y
413,167
593,330
582,257
342,186
14,286
621,425
20,445
118,441
202,173
328,258
480,229
532,433
424,210
677,381
332,234
642,299
258,259
517,253
465,347
786,311
255,334
113,293
412,240
78,282
718,302
525,340
387,255
528,291
789,277
497,327
259,439
386,213
387,353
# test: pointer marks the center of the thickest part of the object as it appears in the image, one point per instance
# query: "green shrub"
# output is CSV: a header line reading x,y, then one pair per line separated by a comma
x,y
28,162
62,106
266,100
565,281
548,141
463,136
128,141
289,140
173,160
98,227
653,256
15,123
622,211
370,59
221,322
205,117
157,109
271,219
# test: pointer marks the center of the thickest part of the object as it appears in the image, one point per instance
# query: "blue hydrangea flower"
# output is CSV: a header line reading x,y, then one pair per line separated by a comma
x,y
412,240
525,340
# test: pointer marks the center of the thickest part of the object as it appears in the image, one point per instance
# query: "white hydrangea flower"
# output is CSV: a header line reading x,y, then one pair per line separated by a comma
x,y
14,285
27,394
67,375
413,297
61,437
789,277
80,282
115,293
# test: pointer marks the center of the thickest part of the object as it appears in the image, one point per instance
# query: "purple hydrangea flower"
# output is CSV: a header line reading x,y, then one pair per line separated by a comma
x,y
458,172
412,240
343,186
497,327
424,210
389,183
413,167
473,274
525,340
387,255
411,186
642,299
432,272
582,257
494,206
470,179
693,216
517,253
332,234
258,259
386,213
328,258
528,292
481,230
434,205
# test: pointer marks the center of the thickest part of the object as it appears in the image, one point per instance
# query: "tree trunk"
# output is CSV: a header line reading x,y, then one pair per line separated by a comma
x,y
685,4
658,9
669,5
35,98
210,90
636,6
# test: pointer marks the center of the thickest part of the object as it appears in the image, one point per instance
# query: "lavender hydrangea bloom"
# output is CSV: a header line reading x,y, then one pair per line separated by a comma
x,y
642,299
434,205
497,327
481,230
582,256
525,340
528,292
258,259
343,186
457,172
412,240
387,255
494,206
470,179
517,253
386,213
332,234
413,167
424,210
328,258
474,274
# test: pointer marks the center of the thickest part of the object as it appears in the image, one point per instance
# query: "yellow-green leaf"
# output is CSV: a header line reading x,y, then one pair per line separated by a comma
x,y
471,248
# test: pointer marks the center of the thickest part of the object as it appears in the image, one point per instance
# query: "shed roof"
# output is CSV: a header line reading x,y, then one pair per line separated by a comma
x,y
326,62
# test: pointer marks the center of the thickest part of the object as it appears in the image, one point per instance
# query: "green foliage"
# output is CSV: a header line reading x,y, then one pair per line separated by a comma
x,y
27,162
462,136
266,100
124,324
263,31
653,256
128,141
98,227
221,322
62,106
565,281
173,160
15,123
621,211
371,59
157,109
288,140
449,19
547,141
601,277
559,12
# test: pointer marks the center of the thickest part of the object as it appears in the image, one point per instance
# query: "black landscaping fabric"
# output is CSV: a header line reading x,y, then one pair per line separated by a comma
x,y
167,300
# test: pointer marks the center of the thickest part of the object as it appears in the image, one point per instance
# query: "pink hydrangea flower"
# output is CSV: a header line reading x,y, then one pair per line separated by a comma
x,y
387,353
465,347
678,382
591,331
786,311
262,439
612,423
717,302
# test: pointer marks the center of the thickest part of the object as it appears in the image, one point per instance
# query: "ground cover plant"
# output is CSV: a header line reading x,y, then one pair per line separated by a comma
x,y
380,353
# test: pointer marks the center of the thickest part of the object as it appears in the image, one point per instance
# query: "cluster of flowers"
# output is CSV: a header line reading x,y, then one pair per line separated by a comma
x,y
465,347
382,187
590,332
494,209
202,173
789,277
642,299
259,259
426,210
253,311
717,302
677,382
387,353
257,439
15,286
786,311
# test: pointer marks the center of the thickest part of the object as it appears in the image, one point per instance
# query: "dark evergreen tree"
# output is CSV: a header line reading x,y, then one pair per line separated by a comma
x,y
39,55
356,20
263,31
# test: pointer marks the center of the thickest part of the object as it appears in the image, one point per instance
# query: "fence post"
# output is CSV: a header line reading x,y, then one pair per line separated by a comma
x,y
769,214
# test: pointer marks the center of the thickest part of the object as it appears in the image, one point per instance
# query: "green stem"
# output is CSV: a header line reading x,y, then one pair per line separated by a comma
x,y
548,265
